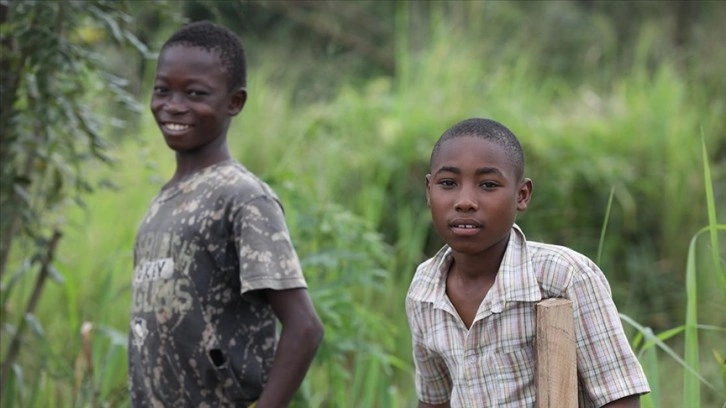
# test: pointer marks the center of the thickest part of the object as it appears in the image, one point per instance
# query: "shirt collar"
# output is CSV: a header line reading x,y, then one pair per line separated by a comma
x,y
516,280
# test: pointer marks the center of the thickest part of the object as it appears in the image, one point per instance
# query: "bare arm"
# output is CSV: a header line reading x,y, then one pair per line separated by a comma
x,y
631,401
422,404
301,334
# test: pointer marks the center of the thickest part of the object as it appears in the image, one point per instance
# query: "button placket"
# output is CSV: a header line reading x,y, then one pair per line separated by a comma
x,y
470,349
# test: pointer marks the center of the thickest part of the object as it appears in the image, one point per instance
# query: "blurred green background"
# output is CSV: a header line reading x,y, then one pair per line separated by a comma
x,y
620,108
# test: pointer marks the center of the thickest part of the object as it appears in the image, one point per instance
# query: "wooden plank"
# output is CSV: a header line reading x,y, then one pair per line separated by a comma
x,y
556,365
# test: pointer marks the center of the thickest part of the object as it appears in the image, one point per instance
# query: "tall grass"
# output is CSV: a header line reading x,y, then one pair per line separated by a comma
x,y
646,341
350,172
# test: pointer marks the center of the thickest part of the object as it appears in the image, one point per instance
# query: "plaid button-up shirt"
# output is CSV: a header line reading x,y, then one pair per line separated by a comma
x,y
492,363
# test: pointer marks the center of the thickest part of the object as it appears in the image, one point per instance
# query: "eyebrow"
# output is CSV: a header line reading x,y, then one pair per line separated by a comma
x,y
197,80
480,171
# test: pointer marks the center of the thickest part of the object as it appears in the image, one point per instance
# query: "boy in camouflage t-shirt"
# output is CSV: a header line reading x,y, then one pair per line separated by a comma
x,y
214,267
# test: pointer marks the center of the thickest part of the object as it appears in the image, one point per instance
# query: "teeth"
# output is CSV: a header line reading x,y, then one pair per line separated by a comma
x,y
176,126
465,226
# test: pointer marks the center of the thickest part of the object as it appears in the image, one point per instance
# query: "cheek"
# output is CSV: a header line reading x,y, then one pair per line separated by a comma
x,y
215,114
438,211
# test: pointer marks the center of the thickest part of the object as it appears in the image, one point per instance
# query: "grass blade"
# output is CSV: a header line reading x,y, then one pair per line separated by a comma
x,y
650,366
691,387
605,226
648,334
712,221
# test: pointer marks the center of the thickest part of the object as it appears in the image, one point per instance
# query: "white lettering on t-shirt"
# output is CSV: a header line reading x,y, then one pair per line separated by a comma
x,y
153,270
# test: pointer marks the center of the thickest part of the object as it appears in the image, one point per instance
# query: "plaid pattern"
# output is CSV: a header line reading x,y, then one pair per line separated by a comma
x,y
492,364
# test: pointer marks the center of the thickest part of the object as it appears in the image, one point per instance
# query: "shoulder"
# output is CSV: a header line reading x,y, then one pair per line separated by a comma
x,y
233,179
231,188
558,267
424,275
557,256
427,277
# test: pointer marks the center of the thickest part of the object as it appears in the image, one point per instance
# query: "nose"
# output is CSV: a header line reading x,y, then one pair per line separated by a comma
x,y
175,104
466,200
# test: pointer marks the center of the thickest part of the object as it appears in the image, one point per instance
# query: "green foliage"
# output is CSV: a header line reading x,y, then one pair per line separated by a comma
x,y
345,262
50,135
714,271
50,131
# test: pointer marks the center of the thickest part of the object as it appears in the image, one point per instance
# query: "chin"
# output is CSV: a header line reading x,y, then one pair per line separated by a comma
x,y
467,250
464,248
471,248
171,145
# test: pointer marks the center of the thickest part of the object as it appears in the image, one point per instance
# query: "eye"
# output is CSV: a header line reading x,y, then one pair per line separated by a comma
x,y
160,90
196,93
447,183
488,185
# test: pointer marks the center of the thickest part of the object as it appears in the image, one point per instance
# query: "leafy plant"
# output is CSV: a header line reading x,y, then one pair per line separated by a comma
x,y
50,136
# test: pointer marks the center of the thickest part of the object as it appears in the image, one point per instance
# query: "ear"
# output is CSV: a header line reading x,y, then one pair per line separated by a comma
x,y
237,101
524,194
428,190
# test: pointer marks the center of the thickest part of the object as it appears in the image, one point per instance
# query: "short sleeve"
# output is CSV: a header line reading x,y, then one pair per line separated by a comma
x,y
433,382
267,258
607,367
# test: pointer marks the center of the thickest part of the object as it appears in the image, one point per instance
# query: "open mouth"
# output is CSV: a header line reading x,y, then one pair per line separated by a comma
x,y
175,127
465,227
466,223
465,230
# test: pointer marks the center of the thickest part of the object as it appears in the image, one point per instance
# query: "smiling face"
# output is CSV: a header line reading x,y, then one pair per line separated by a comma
x,y
474,193
191,101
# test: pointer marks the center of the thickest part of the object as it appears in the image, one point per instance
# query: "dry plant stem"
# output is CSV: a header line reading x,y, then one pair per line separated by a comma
x,y
30,307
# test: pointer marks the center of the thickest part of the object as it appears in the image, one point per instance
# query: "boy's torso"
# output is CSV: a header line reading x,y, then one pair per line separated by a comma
x,y
191,331
492,363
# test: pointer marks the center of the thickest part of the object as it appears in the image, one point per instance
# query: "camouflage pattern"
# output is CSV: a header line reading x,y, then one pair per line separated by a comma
x,y
200,334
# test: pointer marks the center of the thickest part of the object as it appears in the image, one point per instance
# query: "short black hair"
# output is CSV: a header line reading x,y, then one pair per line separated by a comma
x,y
213,37
486,129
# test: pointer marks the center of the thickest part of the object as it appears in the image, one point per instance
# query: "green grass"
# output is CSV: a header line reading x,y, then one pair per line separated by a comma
x,y
710,272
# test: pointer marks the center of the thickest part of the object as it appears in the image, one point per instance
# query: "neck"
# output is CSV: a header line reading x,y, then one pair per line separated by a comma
x,y
483,265
188,163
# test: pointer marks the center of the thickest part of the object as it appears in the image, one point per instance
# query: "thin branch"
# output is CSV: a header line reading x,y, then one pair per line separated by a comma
x,y
14,347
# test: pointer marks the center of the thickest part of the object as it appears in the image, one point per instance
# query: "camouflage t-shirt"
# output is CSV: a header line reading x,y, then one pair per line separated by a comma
x,y
200,334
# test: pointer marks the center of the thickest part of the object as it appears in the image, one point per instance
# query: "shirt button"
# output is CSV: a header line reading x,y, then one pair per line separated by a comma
x,y
472,359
